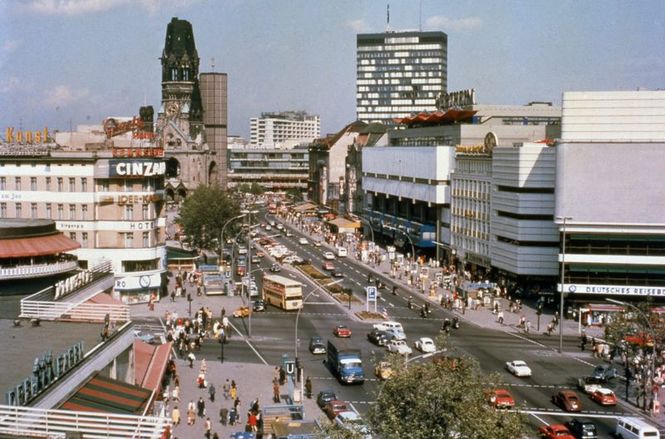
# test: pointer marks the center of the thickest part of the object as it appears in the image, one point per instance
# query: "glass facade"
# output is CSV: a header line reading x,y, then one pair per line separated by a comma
x,y
399,74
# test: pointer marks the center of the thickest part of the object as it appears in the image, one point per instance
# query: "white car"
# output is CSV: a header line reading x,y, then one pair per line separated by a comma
x,y
425,345
329,255
302,241
399,346
518,368
279,226
350,420
317,243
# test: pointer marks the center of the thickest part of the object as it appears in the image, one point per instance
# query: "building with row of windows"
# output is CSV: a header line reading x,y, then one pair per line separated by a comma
x,y
110,201
284,129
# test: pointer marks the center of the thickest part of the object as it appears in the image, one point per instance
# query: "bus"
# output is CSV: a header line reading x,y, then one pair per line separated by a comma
x,y
282,292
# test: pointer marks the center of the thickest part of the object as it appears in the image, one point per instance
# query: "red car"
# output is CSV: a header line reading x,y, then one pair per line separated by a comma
x,y
332,408
568,400
328,266
604,396
342,331
555,431
501,399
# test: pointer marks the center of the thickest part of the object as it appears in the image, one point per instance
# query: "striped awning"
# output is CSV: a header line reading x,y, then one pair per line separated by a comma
x,y
102,394
36,246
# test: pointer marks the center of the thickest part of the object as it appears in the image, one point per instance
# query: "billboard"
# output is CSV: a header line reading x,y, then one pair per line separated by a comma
x,y
136,168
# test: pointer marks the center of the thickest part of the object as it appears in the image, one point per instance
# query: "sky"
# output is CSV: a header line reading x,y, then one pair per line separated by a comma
x,y
70,62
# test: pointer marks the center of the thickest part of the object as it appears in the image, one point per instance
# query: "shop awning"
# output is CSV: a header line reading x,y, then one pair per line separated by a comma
x,y
150,364
304,207
344,225
36,246
603,307
106,395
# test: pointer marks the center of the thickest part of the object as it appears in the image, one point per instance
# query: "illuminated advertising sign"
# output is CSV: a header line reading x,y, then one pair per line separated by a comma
x,y
138,152
136,168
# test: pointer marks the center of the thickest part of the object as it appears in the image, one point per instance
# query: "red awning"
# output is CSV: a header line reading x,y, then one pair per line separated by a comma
x,y
150,364
449,116
36,246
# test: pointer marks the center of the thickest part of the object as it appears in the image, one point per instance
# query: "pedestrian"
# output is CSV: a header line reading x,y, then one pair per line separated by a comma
x,y
275,374
215,435
251,421
233,416
500,317
211,392
527,327
191,359
223,415
201,407
208,428
175,393
226,388
172,295
191,413
308,388
175,415
282,376
204,366
275,391
254,406
234,390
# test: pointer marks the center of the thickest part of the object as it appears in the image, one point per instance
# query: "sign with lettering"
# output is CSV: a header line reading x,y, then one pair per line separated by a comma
x,y
138,199
624,290
453,99
138,152
136,168
26,137
138,282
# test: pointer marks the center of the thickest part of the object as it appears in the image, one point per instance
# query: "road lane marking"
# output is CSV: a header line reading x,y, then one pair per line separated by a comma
x,y
248,344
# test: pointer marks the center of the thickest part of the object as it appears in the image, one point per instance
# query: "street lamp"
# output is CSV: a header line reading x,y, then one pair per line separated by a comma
x,y
563,261
413,249
221,247
652,359
369,223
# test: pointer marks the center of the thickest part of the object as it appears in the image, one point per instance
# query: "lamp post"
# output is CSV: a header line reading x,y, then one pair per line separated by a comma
x,y
298,377
563,261
652,359
413,248
221,246
371,230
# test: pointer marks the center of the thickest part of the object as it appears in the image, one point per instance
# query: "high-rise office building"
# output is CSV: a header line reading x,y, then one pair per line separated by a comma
x,y
399,73
285,129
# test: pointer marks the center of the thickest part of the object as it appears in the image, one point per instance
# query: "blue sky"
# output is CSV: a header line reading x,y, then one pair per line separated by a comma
x,y
78,61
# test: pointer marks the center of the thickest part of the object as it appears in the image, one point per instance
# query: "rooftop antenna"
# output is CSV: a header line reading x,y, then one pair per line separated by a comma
x,y
388,17
212,64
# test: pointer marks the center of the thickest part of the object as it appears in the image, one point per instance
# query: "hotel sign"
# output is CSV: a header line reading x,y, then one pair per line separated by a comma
x,y
623,290
136,168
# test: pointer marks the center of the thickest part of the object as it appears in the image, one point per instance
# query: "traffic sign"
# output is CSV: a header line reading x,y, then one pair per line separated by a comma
x,y
371,292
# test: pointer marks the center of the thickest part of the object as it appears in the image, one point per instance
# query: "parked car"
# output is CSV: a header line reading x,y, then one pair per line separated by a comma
x,y
582,428
604,372
604,396
399,346
316,345
324,397
518,368
351,421
425,345
501,399
568,400
342,331
332,408
555,431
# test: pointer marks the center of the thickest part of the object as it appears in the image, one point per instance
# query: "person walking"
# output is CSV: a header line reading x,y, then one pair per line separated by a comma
x,y
275,391
175,415
211,392
223,415
208,428
308,388
175,393
191,413
234,391
201,407
226,388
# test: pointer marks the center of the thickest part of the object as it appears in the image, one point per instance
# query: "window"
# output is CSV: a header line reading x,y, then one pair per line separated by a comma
x,y
146,211
129,212
59,184
104,186
84,185
33,210
72,236
3,183
72,211
17,183
146,239
61,209
84,212
3,210
84,239
19,210
49,211
48,183
33,183
72,184
129,240
129,185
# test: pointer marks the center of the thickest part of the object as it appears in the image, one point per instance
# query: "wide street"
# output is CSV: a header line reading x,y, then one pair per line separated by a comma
x,y
273,334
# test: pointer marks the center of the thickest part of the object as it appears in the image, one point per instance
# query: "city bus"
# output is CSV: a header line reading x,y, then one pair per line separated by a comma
x,y
282,292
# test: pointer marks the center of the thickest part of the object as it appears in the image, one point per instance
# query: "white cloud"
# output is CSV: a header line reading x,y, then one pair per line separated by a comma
x,y
81,7
357,25
441,22
63,95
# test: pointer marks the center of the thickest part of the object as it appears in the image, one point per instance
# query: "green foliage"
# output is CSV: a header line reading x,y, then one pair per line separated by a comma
x,y
333,431
204,213
443,399
638,321
256,189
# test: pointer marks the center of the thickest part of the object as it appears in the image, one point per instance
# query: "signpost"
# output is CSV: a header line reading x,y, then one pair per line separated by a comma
x,y
371,296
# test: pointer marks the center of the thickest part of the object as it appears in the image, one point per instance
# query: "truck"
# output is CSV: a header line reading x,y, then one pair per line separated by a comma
x,y
345,363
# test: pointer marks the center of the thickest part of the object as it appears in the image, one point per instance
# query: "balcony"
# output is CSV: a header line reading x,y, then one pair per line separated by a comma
x,y
41,270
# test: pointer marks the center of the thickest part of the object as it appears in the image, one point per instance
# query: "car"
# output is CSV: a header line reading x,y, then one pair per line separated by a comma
x,y
255,259
336,273
604,396
518,368
272,223
425,345
317,243
555,431
351,421
342,331
324,397
399,346
301,261
258,305
303,241
279,226
146,337
287,233
383,370
332,408
275,268
567,400
604,372
501,399
328,266
589,385
241,312
268,227
378,337
329,255
316,345
582,428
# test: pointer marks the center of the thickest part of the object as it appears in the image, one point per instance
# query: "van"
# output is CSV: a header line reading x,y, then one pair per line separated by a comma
x,y
635,428
341,252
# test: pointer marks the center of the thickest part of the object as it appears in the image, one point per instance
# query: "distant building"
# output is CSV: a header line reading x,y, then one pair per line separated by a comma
x,y
399,73
284,130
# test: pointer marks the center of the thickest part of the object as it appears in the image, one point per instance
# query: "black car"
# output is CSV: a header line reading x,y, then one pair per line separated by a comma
x,y
604,372
582,428
337,273
275,268
324,397
379,338
316,345
258,305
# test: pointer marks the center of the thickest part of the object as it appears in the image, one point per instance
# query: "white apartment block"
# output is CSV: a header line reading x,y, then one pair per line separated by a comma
x,y
285,129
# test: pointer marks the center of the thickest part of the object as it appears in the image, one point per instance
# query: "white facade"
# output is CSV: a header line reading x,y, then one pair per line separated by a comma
x,y
284,130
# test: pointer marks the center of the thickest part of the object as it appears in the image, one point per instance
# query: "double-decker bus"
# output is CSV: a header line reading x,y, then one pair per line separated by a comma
x,y
282,292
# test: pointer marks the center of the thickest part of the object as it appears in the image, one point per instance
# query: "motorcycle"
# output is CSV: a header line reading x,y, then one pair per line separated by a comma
x,y
455,323
423,312
409,304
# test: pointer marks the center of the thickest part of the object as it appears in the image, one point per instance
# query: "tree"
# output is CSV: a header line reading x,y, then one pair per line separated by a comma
x,y
441,399
256,189
204,213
